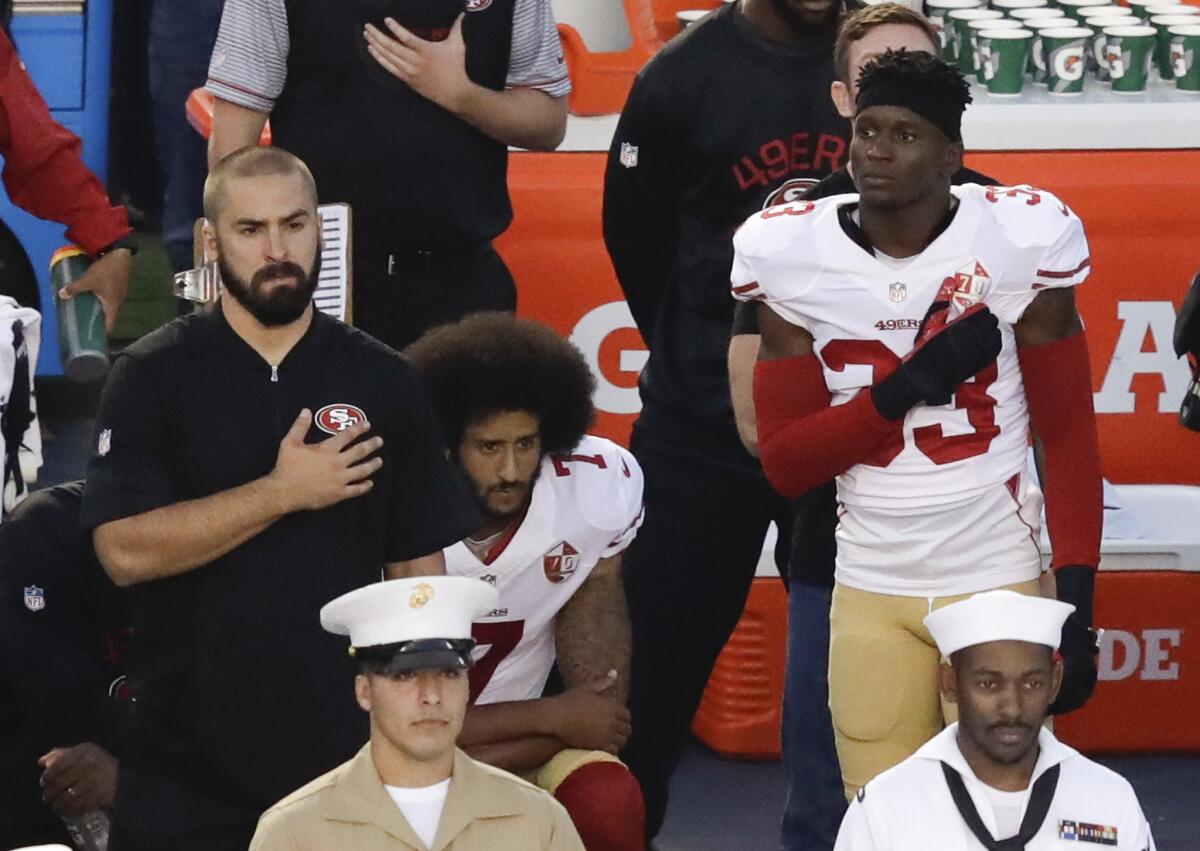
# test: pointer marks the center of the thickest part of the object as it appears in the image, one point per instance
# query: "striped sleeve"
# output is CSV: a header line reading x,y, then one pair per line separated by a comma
x,y
536,59
249,61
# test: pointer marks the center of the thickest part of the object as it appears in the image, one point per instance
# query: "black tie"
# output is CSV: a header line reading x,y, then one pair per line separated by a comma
x,y
1039,804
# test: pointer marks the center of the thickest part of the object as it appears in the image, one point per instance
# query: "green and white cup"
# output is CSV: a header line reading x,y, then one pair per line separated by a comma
x,y
1185,56
1004,54
1037,60
1162,48
975,28
964,52
1075,8
1090,12
936,11
1139,5
1128,52
1065,55
1098,61
1039,13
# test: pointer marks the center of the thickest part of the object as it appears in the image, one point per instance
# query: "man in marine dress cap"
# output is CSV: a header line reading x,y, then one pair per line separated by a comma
x,y
997,779
409,787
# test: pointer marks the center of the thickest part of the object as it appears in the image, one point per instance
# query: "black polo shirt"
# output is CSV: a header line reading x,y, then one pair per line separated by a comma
x,y
239,690
64,628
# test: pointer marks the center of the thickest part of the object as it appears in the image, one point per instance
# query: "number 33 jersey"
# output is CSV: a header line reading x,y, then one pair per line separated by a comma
x,y
1002,247
586,505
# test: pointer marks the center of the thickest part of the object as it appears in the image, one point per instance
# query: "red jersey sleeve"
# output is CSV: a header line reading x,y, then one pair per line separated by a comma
x,y
43,171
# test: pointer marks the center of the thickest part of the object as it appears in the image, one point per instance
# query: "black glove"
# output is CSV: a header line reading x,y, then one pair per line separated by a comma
x,y
935,369
1080,645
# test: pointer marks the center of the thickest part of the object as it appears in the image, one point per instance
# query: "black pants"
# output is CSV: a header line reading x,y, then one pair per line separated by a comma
x,y
397,300
687,575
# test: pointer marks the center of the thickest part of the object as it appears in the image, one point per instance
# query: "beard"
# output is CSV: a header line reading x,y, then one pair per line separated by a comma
x,y
282,304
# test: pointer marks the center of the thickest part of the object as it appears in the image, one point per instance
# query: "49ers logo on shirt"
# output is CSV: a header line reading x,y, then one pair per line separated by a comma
x,y
478,5
561,562
336,418
792,190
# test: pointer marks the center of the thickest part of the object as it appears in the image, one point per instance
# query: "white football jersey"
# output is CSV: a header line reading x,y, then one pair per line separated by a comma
x,y
1003,246
586,505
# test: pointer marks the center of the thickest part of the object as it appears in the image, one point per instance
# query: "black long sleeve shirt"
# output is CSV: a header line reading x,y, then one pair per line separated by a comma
x,y
715,124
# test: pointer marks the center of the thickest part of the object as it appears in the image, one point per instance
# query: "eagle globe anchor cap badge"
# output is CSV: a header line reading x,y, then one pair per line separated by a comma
x,y
411,624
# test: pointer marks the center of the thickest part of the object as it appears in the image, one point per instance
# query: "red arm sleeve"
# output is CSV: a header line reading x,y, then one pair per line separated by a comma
x,y
43,172
1058,384
803,440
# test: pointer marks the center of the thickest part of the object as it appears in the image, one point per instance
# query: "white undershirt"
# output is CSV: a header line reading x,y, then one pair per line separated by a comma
x,y
421,807
1006,807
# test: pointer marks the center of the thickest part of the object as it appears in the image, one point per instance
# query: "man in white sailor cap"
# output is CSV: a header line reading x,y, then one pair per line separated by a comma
x,y
410,787
997,779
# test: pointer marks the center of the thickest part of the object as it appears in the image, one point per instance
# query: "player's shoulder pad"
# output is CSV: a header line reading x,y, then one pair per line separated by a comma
x,y
1028,216
788,228
603,479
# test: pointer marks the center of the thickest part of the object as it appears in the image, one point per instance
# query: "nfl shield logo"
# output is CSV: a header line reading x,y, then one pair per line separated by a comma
x,y
104,443
897,292
35,598
629,155
561,562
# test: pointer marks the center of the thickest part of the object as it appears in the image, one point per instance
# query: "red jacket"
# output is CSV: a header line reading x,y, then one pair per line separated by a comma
x,y
43,171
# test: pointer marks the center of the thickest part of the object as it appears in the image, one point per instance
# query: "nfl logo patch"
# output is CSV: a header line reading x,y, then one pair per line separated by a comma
x,y
898,292
35,598
561,563
104,443
629,155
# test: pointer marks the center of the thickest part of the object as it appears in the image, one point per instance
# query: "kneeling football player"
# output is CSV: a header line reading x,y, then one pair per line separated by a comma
x,y
514,401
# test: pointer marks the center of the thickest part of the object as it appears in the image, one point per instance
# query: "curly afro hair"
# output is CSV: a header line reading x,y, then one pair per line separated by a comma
x,y
490,363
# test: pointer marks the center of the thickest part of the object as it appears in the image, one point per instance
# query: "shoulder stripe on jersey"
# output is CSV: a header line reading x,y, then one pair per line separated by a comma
x,y
1042,273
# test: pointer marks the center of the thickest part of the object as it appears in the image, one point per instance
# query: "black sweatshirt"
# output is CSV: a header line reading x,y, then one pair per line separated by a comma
x,y
715,123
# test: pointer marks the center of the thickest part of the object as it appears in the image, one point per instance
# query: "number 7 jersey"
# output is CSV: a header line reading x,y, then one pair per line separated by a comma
x,y
1002,247
586,505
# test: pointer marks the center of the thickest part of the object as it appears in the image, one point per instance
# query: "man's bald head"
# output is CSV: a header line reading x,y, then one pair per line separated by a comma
x,y
253,161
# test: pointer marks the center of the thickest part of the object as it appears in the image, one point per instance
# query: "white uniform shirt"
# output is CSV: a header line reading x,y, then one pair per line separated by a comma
x,y
585,506
909,807
1003,246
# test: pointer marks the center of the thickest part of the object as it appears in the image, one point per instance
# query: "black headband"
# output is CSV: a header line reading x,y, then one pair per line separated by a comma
x,y
916,82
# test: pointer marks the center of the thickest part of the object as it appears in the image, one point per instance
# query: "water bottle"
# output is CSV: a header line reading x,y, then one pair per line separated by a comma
x,y
89,832
82,341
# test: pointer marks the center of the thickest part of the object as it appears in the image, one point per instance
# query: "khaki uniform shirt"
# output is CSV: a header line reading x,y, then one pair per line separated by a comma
x,y
486,809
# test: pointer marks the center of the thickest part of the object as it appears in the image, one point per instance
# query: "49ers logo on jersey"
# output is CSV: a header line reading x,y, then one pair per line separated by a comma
x,y
336,418
561,562
478,5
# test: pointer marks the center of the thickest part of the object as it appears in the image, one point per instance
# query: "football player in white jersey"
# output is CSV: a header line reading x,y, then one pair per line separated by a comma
x,y
914,335
514,401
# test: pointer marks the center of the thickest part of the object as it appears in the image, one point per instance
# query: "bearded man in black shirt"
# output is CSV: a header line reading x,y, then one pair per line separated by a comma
x,y
715,123
251,463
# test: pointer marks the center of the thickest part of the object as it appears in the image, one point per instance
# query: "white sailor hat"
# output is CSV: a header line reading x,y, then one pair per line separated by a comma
x,y
410,624
997,616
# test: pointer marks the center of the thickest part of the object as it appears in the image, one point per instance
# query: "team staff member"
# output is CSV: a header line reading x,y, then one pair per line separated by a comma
x,y
997,780
64,633
693,155
45,176
251,462
559,507
409,787
915,335
815,800
380,110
